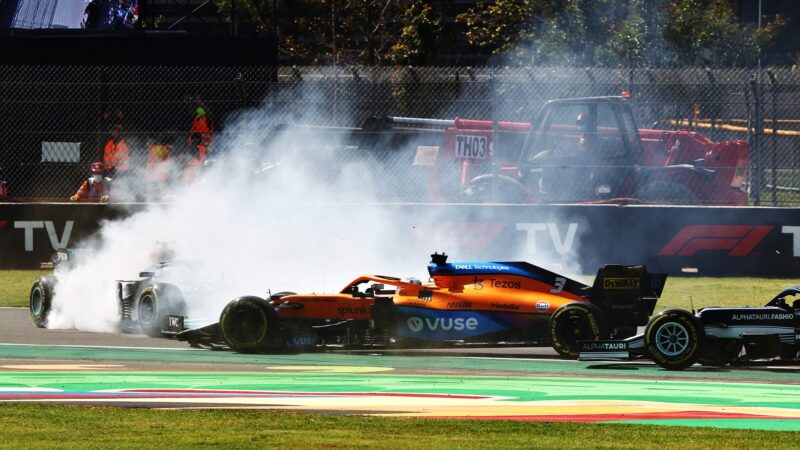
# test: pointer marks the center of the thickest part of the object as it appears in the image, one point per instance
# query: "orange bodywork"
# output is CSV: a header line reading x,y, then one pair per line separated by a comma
x,y
491,292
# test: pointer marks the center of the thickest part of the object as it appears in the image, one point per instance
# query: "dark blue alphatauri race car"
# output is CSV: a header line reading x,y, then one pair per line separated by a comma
x,y
675,339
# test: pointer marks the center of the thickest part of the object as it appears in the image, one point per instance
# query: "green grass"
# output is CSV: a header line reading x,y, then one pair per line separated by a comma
x,y
680,292
15,286
32,426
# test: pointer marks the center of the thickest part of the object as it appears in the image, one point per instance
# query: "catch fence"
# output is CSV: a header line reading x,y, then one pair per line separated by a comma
x,y
54,121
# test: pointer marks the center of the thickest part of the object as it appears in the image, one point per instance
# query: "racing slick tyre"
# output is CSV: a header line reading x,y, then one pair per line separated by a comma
x,y
720,352
673,338
41,299
575,322
249,325
156,303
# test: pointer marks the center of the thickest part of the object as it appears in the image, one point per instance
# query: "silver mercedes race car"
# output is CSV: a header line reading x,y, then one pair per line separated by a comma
x,y
145,302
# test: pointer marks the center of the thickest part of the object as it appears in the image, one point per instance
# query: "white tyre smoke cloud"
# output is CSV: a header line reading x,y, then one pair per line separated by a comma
x,y
286,228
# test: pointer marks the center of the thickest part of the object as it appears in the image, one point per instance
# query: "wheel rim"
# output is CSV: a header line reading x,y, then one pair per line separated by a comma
x,y
573,329
37,302
243,329
672,339
147,309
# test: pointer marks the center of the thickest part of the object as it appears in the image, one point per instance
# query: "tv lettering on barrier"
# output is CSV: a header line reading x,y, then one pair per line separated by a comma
x,y
723,241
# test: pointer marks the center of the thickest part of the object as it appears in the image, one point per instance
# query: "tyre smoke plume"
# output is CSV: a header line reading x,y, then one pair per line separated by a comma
x,y
279,210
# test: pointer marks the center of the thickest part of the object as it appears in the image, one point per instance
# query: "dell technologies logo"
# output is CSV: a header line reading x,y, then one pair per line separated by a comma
x,y
418,324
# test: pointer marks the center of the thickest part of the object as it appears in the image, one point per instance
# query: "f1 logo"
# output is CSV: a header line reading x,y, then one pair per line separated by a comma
x,y
740,240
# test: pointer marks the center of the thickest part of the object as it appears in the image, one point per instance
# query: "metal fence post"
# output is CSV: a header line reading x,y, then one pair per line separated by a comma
x,y
457,86
773,87
288,103
755,139
102,93
495,133
715,109
630,83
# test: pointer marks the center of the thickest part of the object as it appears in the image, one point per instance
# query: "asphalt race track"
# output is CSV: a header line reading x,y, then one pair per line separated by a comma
x,y
69,366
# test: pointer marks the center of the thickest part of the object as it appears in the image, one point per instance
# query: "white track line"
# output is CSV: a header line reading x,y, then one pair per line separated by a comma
x,y
109,347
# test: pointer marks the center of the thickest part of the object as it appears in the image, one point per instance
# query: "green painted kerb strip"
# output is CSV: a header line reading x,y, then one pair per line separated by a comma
x,y
515,388
401,362
753,424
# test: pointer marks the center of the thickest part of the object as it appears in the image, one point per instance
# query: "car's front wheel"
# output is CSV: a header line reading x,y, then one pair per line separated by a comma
x,y
673,339
249,325
41,299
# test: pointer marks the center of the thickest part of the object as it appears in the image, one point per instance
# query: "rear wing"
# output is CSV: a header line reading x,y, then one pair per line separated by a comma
x,y
627,294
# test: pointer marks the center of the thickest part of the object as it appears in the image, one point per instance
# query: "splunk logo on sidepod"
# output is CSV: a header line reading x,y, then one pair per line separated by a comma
x,y
418,324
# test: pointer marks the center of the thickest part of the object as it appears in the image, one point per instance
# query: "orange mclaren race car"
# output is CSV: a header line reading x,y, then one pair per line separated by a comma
x,y
474,303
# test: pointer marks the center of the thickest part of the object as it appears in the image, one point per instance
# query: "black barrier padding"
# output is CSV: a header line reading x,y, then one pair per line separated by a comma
x,y
715,241
31,232
135,48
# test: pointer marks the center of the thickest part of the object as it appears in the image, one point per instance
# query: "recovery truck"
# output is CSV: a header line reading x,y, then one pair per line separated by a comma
x,y
575,150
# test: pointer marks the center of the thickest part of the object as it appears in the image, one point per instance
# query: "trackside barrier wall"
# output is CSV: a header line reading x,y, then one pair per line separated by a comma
x,y
708,241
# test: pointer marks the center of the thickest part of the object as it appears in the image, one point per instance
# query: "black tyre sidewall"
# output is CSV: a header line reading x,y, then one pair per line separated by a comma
x,y
44,287
695,333
576,311
256,309
161,310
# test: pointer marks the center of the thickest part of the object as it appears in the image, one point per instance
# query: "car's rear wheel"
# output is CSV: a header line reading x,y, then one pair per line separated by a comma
x,y
156,303
249,325
575,322
41,299
674,338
